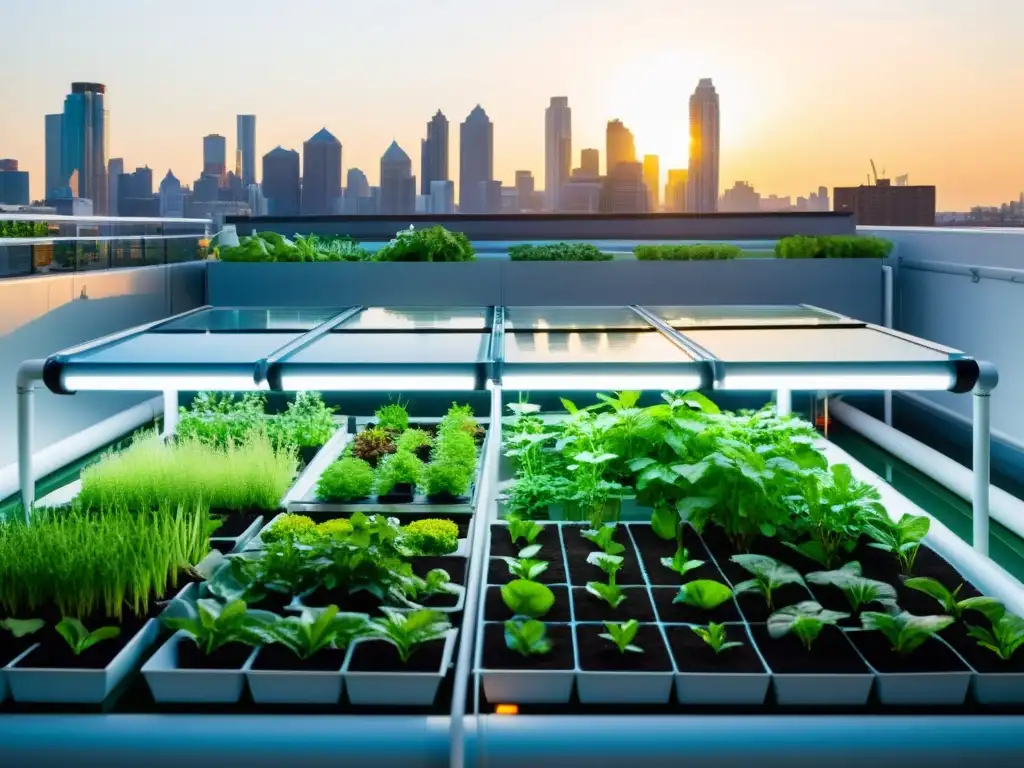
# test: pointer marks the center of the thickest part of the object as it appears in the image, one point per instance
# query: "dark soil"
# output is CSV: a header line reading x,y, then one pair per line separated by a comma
x,y
11,646
276,602
498,656
833,599
401,494
55,652
423,453
278,657
932,656
692,654
236,523
652,548
981,659
496,610
876,564
447,498
455,566
307,452
497,571
359,602
764,545
680,613
830,654
441,600
600,655
577,549
637,605
378,656
755,608
502,546
230,656
225,546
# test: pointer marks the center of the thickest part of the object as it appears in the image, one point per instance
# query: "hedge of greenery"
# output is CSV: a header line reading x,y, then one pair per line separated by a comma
x,y
558,252
832,247
703,252
433,244
24,229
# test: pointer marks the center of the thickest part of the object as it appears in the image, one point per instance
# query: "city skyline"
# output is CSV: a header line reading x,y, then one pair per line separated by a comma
x,y
793,116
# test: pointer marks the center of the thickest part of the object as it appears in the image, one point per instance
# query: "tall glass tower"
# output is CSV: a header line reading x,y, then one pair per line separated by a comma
x,y
247,147
84,143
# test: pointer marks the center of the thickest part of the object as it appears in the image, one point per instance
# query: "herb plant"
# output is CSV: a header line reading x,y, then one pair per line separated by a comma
x,y
527,637
218,418
558,252
347,479
431,536
432,244
905,631
373,444
408,630
445,477
806,620
527,598
610,592
401,468
859,590
393,417
989,607
532,495
291,527
80,639
212,625
680,562
524,566
768,575
307,422
414,440
604,538
902,538
622,635
524,530
705,594
314,630
714,636
1004,638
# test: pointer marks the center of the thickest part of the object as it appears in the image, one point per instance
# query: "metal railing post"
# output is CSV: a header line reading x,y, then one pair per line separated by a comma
x,y
981,464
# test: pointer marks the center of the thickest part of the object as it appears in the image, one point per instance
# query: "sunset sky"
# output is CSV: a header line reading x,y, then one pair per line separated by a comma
x,y
810,89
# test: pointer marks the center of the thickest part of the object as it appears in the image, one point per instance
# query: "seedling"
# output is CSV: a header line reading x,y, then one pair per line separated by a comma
x,y
611,593
622,634
902,538
714,636
314,631
22,627
859,590
769,574
524,566
1005,637
528,638
212,625
527,598
680,562
805,620
437,582
905,631
604,538
81,639
524,530
989,607
705,594
408,630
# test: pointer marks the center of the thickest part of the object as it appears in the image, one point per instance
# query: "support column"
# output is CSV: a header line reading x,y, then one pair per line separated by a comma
x,y
981,469
784,402
887,319
170,411
26,476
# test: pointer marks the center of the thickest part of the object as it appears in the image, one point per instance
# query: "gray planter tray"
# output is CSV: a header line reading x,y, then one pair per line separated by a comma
x,y
169,684
397,688
271,686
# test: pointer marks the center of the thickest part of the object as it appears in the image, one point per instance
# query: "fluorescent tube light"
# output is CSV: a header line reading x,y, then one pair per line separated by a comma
x,y
599,382
354,382
838,382
160,382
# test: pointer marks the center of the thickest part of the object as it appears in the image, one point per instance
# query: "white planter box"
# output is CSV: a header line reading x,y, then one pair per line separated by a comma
x,y
524,686
928,688
80,686
822,690
742,688
397,688
624,687
4,687
239,542
169,684
270,686
998,688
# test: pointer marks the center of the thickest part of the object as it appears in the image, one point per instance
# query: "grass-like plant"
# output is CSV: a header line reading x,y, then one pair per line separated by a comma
x,y
701,252
393,417
347,479
249,475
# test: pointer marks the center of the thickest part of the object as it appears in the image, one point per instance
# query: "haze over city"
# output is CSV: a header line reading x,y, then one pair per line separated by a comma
x,y
809,90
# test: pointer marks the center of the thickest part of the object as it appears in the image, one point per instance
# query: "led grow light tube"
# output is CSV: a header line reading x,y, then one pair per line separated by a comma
x,y
370,382
597,382
223,382
838,382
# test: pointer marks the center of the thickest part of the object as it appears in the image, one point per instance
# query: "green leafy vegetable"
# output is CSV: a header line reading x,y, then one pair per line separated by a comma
x,y
524,566
705,594
604,538
347,479
806,620
431,536
905,631
392,417
680,562
989,607
714,636
212,625
902,538
408,630
1004,638
524,530
315,630
527,598
859,591
528,638
22,627
81,639
769,574
622,635
611,593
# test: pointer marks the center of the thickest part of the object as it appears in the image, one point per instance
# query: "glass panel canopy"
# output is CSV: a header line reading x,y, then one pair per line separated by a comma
x,y
598,346
220,320
725,316
186,349
418,318
572,318
395,348
811,345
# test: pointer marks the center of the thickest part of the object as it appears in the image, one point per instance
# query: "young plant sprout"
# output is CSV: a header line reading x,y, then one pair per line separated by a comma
x,y
524,530
859,590
902,538
527,598
212,625
408,630
524,566
805,620
611,593
527,637
1004,638
80,639
905,631
989,607
769,574
705,594
314,630
714,636
604,538
680,562
622,635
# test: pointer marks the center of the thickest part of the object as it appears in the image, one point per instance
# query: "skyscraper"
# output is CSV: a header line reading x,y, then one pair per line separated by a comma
x,y
619,146
215,156
84,143
524,191
442,196
476,161
135,194
246,138
397,184
434,153
114,170
13,183
652,176
54,176
590,162
356,187
624,190
281,181
675,190
702,182
321,175
172,200
557,149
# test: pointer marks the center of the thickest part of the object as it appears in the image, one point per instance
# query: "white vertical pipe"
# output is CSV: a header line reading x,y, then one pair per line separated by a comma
x,y
170,411
26,477
981,470
887,320
784,402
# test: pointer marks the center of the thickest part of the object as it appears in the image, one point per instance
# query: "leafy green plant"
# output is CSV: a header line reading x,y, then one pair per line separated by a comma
x,y
437,582
768,575
408,630
904,631
705,594
558,252
832,247
1004,638
212,625
524,530
527,637
532,495
22,627
622,635
527,598
401,468
714,636
989,607
24,229
347,479
525,566
604,538
273,247
902,538
393,417
289,527
218,418
414,440
80,639
610,592
680,562
806,620
433,244
431,536
314,630
859,590
702,252
307,423
454,445
373,444
448,478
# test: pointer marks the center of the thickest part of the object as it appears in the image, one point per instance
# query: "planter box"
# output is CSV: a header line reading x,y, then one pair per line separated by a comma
x,y
995,688
397,688
721,688
170,684
526,684
4,687
623,686
272,686
231,544
79,686
942,687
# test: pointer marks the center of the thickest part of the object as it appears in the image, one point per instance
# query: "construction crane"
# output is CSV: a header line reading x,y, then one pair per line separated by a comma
x,y
874,172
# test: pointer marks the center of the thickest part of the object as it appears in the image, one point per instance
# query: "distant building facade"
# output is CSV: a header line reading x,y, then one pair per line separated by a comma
x,y
702,184
245,126
321,175
115,167
590,162
742,198
434,153
476,162
356,188
84,143
172,197
652,177
557,149
397,184
524,190
624,190
55,180
884,205
281,185
675,190
14,187
442,196
215,156
619,146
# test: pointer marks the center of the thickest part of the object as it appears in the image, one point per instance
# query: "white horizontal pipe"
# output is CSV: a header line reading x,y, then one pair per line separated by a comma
x,y
73,448
1005,508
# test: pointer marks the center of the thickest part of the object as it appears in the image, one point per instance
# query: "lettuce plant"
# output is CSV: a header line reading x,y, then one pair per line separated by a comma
x,y
314,630
705,594
902,538
768,575
525,566
373,444
430,536
212,625
680,562
80,639
989,607
604,538
905,631
622,635
408,630
714,636
611,593
1004,638
806,620
527,598
524,530
527,638
859,591
347,479
413,440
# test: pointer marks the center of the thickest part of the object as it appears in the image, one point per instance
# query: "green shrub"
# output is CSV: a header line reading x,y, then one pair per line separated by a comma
x,y
308,422
448,477
347,479
433,244
832,247
398,468
558,252
456,447
371,445
393,417
271,246
413,439
24,229
291,527
460,418
703,252
252,474
432,536
217,419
